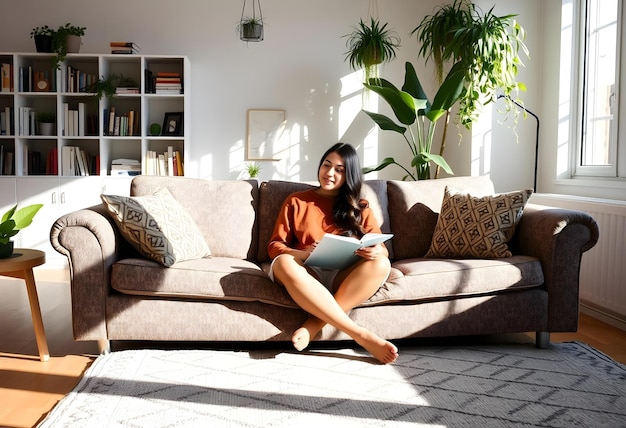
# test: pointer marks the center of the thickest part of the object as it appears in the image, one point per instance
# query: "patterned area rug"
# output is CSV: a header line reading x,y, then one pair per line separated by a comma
x,y
568,385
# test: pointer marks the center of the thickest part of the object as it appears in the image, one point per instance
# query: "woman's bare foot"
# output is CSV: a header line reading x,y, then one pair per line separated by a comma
x,y
381,349
301,338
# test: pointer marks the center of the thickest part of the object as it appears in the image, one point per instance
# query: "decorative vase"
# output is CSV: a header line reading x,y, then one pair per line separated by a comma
x,y
46,128
72,43
6,250
43,43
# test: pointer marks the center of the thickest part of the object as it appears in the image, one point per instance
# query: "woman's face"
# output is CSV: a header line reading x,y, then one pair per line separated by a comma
x,y
332,174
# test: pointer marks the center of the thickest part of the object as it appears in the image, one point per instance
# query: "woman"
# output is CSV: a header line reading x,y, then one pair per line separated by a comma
x,y
327,295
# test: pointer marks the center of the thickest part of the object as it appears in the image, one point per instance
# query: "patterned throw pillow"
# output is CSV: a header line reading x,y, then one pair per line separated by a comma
x,y
158,227
479,227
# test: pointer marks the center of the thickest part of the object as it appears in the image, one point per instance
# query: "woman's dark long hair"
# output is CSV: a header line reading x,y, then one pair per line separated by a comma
x,y
348,204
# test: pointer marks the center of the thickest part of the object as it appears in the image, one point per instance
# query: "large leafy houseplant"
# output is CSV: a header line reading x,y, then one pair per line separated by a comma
x,y
417,117
370,44
486,45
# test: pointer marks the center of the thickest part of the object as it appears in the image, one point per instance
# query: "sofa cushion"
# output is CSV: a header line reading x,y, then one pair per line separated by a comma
x,y
413,208
480,227
158,227
273,193
216,278
424,279
210,203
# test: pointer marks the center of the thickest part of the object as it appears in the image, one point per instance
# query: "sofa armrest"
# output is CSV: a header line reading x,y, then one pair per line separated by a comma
x,y
92,243
558,238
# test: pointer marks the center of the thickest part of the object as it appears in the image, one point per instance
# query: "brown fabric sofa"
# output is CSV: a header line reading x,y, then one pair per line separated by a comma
x,y
119,295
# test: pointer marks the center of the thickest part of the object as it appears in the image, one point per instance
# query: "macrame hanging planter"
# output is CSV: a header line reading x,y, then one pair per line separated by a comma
x,y
251,24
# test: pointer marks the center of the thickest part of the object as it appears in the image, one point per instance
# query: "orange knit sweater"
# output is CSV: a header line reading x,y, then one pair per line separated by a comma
x,y
304,219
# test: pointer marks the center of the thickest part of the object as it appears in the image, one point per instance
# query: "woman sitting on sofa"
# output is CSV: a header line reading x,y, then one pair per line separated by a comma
x,y
327,295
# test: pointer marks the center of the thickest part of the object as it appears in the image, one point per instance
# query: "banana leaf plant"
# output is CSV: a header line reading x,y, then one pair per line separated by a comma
x,y
417,117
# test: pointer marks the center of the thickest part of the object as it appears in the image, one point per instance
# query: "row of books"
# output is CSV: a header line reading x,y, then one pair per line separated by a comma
x,y
169,163
77,80
26,121
122,125
124,48
76,162
77,123
6,161
7,118
29,80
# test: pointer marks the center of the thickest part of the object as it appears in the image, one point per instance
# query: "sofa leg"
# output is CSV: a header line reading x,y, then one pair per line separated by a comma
x,y
104,346
542,340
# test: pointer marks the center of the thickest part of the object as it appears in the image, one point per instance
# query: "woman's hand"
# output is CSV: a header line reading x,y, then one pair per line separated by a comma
x,y
372,253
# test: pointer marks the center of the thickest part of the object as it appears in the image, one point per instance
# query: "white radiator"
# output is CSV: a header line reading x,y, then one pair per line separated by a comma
x,y
603,269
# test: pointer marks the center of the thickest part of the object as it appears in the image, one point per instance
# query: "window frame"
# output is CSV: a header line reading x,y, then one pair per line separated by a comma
x,y
617,155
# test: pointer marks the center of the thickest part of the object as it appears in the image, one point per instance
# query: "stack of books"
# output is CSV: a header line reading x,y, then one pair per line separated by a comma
x,y
167,82
124,48
125,167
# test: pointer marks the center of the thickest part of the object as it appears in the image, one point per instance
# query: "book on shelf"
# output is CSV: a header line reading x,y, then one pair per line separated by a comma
x,y
337,252
6,77
126,90
125,167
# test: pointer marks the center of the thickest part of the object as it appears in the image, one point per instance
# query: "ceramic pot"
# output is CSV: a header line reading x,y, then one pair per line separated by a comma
x,y
6,250
72,43
43,43
46,128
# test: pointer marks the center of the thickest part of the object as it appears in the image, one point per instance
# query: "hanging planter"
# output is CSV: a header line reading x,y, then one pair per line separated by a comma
x,y
251,26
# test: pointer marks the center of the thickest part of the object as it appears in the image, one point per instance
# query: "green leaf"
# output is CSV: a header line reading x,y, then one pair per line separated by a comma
x,y
448,93
385,123
385,163
402,104
24,216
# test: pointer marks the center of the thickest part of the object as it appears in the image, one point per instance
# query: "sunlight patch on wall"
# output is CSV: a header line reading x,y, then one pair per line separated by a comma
x,y
482,136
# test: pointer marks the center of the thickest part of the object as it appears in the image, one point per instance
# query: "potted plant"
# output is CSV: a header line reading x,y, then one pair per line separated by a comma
x,y
251,29
105,87
369,45
43,38
417,117
253,169
46,121
12,222
67,39
486,46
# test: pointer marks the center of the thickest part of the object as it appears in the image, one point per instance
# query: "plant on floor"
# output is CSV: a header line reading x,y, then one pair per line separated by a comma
x,y
369,45
419,117
486,45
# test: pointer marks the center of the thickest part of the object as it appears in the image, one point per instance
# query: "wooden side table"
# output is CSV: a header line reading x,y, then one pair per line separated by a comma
x,y
20,265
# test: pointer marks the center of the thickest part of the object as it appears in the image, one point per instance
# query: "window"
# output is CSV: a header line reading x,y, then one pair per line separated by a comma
x,y
597,149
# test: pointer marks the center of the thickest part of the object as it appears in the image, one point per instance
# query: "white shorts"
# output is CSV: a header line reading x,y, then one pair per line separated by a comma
x,y
325,276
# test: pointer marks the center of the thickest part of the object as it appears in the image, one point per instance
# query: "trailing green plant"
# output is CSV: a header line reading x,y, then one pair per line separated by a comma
x,y
59,41
105,87
370,44
417,118
486,45
15,220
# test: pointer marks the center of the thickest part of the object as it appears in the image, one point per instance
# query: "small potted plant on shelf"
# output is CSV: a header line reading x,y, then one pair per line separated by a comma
x,y
43,37
46,121
67,39
253,169
12,222
370,45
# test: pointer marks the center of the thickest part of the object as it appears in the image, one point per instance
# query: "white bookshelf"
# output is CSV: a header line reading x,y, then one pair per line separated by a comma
x,y
51,184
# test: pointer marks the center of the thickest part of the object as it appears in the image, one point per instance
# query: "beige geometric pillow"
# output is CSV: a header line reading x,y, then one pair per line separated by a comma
x,y
158,227
478,227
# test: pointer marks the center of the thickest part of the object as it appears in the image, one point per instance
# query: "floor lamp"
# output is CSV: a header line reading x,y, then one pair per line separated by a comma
x,y
536,135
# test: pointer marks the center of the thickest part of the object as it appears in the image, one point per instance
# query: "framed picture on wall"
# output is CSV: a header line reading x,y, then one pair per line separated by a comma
x,y
265,139
173,124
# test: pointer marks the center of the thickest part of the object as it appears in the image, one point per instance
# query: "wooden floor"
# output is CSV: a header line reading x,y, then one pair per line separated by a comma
x,y
29,389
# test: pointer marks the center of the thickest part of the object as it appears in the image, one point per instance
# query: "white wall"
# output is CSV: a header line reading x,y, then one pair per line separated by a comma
x,y
299,67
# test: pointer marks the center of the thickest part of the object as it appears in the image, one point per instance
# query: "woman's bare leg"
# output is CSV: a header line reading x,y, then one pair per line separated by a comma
x,y
356,285
314,298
